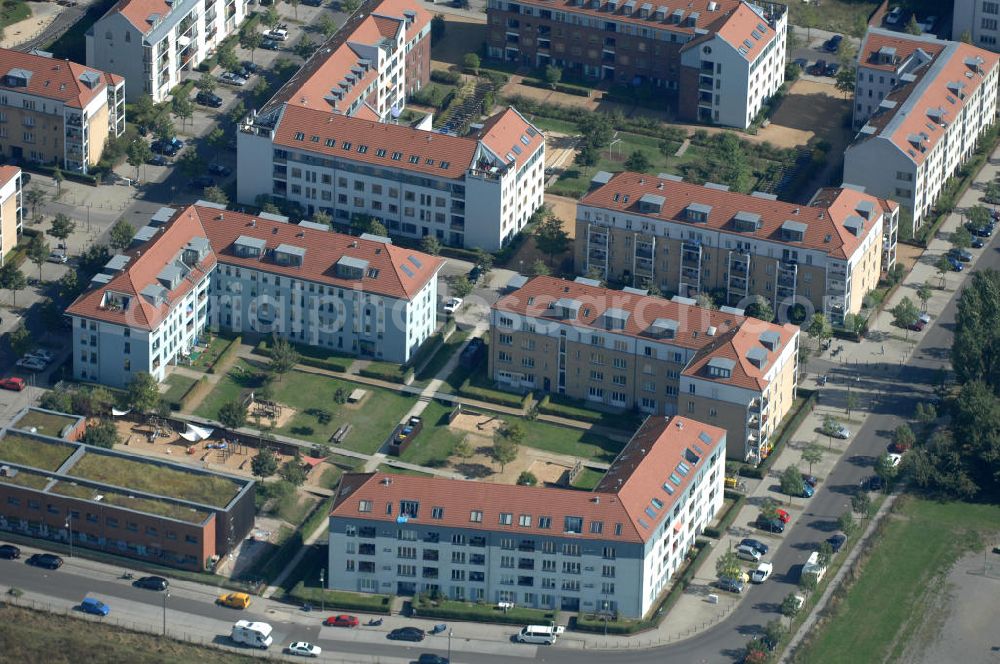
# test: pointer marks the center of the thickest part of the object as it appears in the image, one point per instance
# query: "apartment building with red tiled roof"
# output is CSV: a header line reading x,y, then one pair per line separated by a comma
x,y
922,104
10,209
626,349
57,111
718,60
658,231
152,42
205,267
614,549
329,140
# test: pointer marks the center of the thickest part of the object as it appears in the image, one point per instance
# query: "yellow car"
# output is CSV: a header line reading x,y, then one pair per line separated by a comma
x,y
732,482
235,600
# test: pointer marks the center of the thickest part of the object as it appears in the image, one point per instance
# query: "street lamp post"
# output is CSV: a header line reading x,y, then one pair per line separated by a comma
x,y
69,525
322,592
165,596
450,632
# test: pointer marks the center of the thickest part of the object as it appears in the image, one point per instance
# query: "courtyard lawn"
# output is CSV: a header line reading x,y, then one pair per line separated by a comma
x,y
229,388
559,126
210,355
571,442
436,441
880,611
588,479
177,386
443,354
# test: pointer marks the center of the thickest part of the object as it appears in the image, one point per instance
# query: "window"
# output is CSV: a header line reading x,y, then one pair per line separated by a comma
x,y
437,512
545,522
365,506
524,520
597,527
476,516
506,518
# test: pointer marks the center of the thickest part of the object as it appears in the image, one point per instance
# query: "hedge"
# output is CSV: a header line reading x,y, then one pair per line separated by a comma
x,y
567,88
307,357
393,373
494,396
227,357
727,519
273,566
342,600
73,176
452,610
194,393
445,76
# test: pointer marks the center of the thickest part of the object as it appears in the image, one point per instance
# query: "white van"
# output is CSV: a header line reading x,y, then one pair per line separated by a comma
x,y
255,634
541,634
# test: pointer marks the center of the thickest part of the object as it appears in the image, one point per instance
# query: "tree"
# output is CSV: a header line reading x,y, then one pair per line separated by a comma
x,y
846,53
215,195
825,553
238,111
295,8
846,524
852,403
977,331
327,26
733,164
943,267
550,238
769,509
293,472
438,27
885,469
587,156
137,154
142,393
790,606
37,252
792,483
21,340
12,279
484,261
527,479
598,130
121,234
830,427
978,215
320,217
704,300
461,286
272,18
638,161
163,127
58,178
217,140
992,194
233,415
965,37
812,453
227,57
961,238
69,286
504,450
431,245
926,413
463,448
905,314
846,78
103,434
924,294
819,329
264,463
862,504
903,438
773,631
206,82
305,47
251,39
349,6
191,164
34,197
913,27
539,269
470,61
727,566
182,108
553,75
760,308
62,227
284,357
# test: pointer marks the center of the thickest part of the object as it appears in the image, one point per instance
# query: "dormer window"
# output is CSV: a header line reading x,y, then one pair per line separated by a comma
x,y
249,247
746,222
663,328
697,212
793,231
720,367
290,255
615,319
651,203
757,356
349,267
770,340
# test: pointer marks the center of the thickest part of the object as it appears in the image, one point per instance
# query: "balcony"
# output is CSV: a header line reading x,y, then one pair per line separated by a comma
x,y
544,44
705,83
644,251
597,255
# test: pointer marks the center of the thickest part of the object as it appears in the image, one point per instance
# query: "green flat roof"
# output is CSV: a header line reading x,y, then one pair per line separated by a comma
x,y
26,479
138,503
30,451
48,424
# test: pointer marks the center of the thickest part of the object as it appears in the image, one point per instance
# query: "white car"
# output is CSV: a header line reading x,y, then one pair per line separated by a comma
x,y
762,573
304,649
232,78
842,432
57,257
894,459
452,304
41,354
278,34
31,363
925,318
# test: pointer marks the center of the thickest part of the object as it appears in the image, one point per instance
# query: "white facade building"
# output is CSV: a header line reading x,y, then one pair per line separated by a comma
x,y
980,19
611,550
151,42
927,127
204,266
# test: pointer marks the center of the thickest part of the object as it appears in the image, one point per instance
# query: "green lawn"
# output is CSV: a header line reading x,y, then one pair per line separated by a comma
x,y
588,479
443,354
560,126
47,424
436,441
887,603
178,386
574,442
310,393
209,356
27,451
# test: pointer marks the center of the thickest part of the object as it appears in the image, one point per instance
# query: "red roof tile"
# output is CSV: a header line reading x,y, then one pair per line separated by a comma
x,y
509,133
643,467
694,329
821,222
138,12
8,173
52,78
745,26
905,45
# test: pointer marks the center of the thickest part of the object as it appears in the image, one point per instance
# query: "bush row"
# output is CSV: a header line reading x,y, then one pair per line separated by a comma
x,y
388,372
548,406
227,357
494,396
567,88
194,393
727,519
451,610
308,357
342,600
445,76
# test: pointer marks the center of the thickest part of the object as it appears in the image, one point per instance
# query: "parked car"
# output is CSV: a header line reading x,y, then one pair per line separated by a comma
x,y
219,169
873,483
206,98
731,585
783,515
57,257
201,182
14,384
842,432
745,552
46,560
833,43
963,255
757,544
836,541
807,490
475,273
303,649
406,634
9,552
431,658
313,3
977,242
956,264
917,325
810,480
158,160
762,573
832,69
42,354
277,34
232,78
342,620
801,62
771,525
926,318
94,606
270,45
152,583
248,69
31,364
894,16
166,148
818,68
452,304
894,459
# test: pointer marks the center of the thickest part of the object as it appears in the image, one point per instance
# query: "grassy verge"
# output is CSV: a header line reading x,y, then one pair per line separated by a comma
x,y
435,443
178,386
588,479
33,636
920,541
443,354
386,468
449,609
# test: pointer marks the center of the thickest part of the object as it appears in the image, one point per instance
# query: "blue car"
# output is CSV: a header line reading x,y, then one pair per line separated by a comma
x,y
807,491
94,606
956,264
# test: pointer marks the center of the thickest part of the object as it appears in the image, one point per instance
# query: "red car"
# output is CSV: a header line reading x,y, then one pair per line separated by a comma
x,y
917,326
784,516
14,384
341,621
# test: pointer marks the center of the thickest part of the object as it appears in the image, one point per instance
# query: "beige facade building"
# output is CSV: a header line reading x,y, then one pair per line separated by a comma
x,y
10,209
682,238
628,350
57,111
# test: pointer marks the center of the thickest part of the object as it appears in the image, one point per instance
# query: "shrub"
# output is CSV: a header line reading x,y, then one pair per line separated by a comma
x,y
445,76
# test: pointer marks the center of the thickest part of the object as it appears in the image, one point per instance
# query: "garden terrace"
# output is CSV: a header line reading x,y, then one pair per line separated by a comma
x,y
34,452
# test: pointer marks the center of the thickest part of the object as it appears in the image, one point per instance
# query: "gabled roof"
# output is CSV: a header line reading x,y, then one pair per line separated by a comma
x,y
615,511
902,46
746,31
710,332
49,78
825,230
508,134
138,12
8,173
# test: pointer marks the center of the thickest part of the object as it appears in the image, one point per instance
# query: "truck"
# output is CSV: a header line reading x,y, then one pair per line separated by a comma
x,y
254,634
812,566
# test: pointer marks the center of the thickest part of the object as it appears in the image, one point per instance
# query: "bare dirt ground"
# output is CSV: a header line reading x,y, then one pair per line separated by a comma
x,y
285,415
461,35
962,623
42,13
810,110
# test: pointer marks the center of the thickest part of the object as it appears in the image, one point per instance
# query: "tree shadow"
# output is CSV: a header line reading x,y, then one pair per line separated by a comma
x,y
474,470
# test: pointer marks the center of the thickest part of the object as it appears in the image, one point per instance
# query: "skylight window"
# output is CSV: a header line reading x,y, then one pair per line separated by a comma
x,y
650,513
445,164
396,156
669,489
362,149
676,480
525,140
299,136
380,152
683,468
346,145
314,139
414,159
331,142
657,503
